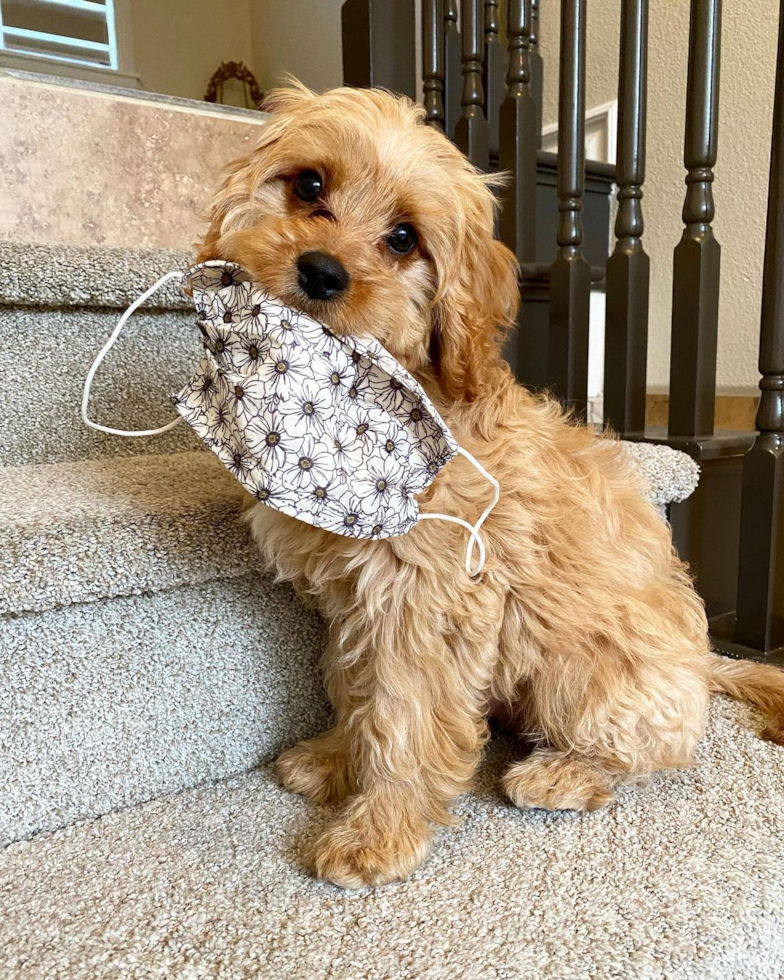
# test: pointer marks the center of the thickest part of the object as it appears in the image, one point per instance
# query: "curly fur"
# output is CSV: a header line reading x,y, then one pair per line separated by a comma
x,y
584,627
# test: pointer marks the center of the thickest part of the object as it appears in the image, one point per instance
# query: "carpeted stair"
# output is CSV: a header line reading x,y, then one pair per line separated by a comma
x,y
682,881
141,649
143,652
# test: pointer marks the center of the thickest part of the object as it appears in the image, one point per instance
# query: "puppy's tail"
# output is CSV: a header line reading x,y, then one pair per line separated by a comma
x,y
760,684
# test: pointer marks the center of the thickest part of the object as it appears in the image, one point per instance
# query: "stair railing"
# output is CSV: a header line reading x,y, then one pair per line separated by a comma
x,y
697,261
518,137
570,275
628,268
461,77
472,133
757,629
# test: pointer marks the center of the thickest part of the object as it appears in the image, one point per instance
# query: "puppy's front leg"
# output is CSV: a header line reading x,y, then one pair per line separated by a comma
x,y
411,702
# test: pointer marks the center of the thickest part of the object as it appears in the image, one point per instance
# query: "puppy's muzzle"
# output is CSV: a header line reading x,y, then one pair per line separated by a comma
x,y
321,276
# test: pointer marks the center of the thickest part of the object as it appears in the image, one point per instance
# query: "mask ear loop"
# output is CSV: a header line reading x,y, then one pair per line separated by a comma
x,y
473,529
105,350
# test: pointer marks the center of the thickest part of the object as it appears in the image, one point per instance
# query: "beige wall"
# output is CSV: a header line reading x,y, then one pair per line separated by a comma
x,y
749,57
178,44
301,37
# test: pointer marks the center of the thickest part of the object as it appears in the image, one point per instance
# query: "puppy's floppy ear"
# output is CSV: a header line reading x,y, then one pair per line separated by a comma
x,y
477,307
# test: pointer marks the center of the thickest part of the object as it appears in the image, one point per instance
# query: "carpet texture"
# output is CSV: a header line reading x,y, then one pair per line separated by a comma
x,y
683,880
669,476
88,275
110,703
58,305
45,355
77,532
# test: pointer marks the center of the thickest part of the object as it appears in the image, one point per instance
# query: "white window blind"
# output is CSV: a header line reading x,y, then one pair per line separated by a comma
x,y
79,32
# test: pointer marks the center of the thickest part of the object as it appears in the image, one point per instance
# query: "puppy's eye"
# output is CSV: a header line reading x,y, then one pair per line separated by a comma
x,y
402,239
308,186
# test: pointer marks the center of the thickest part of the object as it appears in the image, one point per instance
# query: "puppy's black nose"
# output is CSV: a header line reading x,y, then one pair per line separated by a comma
x,y
320,275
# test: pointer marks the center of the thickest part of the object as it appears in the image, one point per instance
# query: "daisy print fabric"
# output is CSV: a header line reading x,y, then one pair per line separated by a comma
x,y
330,430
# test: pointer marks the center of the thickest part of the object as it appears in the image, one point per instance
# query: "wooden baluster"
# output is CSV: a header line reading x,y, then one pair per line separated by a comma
x,y
628,268
760,607
433,60
518,138
379,42
570,275
453,72
494,71
471,133
695,287
537,71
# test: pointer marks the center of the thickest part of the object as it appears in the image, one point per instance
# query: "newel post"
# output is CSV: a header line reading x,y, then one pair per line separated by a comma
x,y
379,40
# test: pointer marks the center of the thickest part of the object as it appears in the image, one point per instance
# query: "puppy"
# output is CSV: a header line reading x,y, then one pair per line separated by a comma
x,y
584,625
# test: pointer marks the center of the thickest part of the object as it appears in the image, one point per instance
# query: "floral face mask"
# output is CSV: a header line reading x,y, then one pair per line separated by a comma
x,y
328,429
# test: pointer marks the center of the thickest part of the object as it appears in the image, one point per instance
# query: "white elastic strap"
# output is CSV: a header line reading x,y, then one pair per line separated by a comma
x,y
105,350
473,529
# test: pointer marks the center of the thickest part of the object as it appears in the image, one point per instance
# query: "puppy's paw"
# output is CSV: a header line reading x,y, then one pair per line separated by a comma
x,y
353,853
550,780
319,769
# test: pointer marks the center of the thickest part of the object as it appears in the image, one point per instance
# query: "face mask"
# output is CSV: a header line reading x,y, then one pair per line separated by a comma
x,y
328,429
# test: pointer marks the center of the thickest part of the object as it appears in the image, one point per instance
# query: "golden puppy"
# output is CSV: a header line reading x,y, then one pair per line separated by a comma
x,y
583,626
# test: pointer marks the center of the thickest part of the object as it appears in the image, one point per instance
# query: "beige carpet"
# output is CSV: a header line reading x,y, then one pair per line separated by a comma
x,y
684,880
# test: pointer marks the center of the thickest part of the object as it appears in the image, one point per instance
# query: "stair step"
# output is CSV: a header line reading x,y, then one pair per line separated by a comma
x,y
669,476
79,532
111,703
89,276
681,880
58,306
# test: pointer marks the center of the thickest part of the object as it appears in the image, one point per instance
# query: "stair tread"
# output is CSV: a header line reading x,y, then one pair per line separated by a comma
x,y
683,879
669,475
88,275
94,529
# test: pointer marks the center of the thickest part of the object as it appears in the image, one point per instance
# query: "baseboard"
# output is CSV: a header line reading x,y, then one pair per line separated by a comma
x,y
734,412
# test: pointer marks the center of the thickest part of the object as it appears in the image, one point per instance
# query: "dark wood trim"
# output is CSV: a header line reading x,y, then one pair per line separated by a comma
x,y
628,268
723,630
697,261
433,61
598,174
701,448
517,147
453,71
379,45
471,132
570,278
760,607
494,70
537,71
